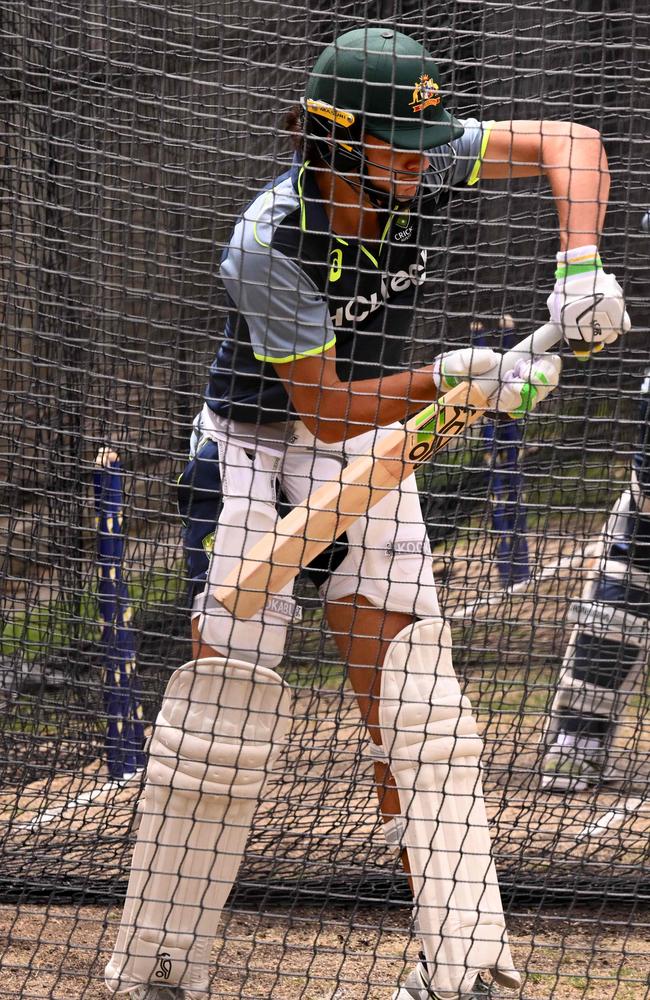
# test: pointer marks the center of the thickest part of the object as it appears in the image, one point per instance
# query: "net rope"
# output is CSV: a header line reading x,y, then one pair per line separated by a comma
x,y
133,134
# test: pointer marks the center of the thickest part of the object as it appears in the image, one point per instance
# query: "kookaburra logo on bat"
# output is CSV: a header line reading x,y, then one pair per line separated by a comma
x,y
164,966
449,420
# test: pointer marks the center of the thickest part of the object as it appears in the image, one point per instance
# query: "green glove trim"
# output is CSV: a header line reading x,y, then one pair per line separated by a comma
x,y
569,270
529,394
451,380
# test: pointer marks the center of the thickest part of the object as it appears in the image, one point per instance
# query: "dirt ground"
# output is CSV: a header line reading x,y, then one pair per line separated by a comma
x,y
58,953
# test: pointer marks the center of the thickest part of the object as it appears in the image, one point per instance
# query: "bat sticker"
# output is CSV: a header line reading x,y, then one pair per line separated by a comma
x,y
421,451
430,441
454,424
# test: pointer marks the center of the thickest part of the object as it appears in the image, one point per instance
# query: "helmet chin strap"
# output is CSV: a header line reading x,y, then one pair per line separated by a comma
x,y
352,167
382,200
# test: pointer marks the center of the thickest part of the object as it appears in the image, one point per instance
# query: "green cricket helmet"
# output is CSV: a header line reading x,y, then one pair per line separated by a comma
x,y
379,82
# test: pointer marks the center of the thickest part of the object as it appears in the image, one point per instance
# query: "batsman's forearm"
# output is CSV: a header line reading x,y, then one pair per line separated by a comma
x,y
309,528
346,409
570,156
575,163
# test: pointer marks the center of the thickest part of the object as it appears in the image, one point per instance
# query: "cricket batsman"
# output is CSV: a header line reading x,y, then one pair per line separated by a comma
x,y
323,272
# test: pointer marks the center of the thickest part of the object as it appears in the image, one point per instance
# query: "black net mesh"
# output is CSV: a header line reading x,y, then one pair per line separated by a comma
x,y
133,134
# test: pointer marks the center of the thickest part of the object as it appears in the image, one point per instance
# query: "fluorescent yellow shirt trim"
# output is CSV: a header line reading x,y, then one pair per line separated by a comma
x,y
296,357
266,201
476,169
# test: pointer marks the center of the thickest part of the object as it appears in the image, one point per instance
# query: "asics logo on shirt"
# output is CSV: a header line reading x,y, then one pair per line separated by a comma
x,y
336,264
358,309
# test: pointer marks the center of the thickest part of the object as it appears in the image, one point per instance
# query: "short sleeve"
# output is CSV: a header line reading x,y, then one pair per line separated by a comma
x,y
461,159
286,315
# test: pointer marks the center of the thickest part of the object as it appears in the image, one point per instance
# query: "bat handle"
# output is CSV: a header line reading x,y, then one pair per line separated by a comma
x,y
541,340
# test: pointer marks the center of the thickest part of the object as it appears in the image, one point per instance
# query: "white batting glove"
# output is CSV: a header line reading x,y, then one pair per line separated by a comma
x,y
454,367
529,382
586,302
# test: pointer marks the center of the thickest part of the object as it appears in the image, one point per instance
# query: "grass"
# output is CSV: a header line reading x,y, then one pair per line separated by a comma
x,y
313,661
46,628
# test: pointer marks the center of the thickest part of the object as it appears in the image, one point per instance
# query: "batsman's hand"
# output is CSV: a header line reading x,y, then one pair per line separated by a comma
x,y
529,382
454,367
587,302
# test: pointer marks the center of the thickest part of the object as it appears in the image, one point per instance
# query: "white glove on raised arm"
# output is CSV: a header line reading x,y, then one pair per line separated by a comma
x,y
587,302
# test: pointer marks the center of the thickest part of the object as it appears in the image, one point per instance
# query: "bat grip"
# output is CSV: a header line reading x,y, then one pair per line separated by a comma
x,y
543,339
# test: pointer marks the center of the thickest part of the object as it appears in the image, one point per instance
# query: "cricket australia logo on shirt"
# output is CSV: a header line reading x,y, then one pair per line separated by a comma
x,y
403,227
358,309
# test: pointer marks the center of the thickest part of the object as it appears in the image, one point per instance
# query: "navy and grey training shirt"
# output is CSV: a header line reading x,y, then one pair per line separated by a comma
x,y
295,288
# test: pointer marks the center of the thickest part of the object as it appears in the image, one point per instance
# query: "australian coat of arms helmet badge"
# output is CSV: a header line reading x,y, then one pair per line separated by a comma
x,y
425,93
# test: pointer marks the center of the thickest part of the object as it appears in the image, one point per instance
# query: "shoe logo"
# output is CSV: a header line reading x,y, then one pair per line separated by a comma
x,y
164,967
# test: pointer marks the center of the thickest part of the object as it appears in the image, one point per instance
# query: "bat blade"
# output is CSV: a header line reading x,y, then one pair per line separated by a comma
x,y
312,526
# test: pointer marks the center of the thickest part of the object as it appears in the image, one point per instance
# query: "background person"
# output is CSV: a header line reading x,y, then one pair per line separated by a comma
x,y
607,654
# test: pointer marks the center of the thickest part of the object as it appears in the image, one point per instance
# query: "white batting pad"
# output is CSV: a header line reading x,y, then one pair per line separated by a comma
x,y
217,735
433,747
610,639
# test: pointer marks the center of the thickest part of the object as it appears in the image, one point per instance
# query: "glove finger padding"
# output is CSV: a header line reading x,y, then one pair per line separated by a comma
x,y
454,367
529,382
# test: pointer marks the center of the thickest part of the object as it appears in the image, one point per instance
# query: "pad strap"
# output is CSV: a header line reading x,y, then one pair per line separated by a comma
x,y
394,831
607,620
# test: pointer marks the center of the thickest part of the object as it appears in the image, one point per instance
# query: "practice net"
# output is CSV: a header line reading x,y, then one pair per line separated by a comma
x,y
133,136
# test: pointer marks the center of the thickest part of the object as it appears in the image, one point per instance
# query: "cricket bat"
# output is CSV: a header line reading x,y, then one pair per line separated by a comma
x,y
313,525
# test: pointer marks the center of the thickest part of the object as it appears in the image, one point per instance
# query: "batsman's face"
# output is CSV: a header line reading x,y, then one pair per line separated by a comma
x,y
392,170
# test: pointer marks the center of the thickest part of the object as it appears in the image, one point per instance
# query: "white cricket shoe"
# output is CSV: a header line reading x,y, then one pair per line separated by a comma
x,y
572,768
417,986
150,992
